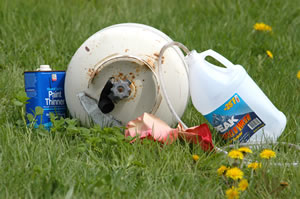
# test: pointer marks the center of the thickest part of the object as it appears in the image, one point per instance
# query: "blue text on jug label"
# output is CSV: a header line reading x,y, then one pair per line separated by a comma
x,y
235,120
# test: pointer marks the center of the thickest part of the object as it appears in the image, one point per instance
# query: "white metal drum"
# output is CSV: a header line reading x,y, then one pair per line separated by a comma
x,y
128,51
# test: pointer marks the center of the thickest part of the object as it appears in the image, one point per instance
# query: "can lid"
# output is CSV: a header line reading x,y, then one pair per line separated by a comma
x,y
44,68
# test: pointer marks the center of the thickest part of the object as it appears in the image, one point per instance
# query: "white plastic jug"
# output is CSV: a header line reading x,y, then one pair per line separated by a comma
x,y
231,101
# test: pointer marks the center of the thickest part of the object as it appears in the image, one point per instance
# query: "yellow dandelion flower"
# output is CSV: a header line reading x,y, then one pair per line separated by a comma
x,y
235,154
298,74
267,154
262,27
245,150
254,165
222,170
234,173
243,185
195,157
232,193
269,54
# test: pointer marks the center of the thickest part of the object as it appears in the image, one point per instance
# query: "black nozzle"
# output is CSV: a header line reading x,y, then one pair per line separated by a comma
x,y
112,93
106,105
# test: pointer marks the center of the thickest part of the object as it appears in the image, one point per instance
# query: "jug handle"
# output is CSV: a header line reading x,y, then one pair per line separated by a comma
x,y
216,56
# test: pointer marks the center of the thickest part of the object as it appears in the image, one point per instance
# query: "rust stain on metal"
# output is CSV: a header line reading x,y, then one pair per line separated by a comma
x,y
151,63
157,56
151,60
133,88
119,76
87,49
132,75
120,89
146,67
90,72
122,77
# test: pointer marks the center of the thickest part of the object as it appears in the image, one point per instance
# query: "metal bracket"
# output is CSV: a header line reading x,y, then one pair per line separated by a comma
x,y
91,107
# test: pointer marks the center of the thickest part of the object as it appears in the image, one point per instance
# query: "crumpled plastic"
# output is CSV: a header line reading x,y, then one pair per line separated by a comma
x,y
150,127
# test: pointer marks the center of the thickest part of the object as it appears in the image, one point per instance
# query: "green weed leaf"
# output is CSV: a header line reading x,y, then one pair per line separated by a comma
x,y
30,117
52,117
138,164
22,97
110,140
17,103
39,110
71,122
72,129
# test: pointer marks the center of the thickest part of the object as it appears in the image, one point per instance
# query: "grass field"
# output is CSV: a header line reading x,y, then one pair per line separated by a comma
x,y
76,162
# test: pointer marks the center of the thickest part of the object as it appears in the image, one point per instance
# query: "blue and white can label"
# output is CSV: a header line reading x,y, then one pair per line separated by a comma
x,y
235,120
45,89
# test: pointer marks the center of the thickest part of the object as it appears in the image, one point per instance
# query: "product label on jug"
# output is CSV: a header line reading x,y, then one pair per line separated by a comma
x,y
234,120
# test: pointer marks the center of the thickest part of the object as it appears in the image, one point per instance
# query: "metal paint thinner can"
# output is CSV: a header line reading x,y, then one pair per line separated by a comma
x,y
45,88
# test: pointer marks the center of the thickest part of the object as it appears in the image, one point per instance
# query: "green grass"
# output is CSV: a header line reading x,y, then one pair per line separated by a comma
x,y
77,162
